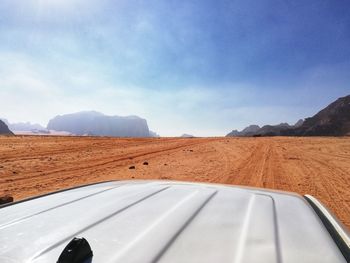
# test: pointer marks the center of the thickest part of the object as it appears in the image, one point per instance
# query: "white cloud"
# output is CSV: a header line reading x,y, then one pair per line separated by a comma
x,y
31,92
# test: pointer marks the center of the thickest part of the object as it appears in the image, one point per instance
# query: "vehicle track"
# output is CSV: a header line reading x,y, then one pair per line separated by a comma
x,y
31,165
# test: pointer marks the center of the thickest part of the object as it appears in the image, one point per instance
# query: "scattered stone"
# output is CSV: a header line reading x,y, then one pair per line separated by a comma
x,y
6,199
132,167
145,163
14,172
165,164
191,150
293,158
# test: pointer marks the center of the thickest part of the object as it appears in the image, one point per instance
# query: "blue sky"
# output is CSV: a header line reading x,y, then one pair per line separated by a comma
x,y
200,67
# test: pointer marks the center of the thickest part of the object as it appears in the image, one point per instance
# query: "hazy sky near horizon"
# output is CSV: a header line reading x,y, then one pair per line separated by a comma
x,y
200,67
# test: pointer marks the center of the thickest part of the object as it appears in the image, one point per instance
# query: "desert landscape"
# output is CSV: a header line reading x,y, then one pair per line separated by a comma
x,y
33,165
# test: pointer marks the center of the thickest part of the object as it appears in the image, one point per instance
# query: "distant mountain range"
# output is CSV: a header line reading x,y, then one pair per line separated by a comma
x,y
267,130
23,126
93,123
334,120
4,130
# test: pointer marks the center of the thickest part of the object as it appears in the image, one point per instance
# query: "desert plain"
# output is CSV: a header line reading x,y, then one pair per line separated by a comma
x,y
34,165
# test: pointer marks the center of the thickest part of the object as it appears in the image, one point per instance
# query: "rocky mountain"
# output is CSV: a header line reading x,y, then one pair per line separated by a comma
x,y
4,130
234,133
23,126
248,131
298,123
255,130
5,121
153,134
272,130
251,129
185,135
97,124
334,120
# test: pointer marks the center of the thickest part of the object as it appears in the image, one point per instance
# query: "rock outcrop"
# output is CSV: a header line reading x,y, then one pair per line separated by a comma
x,y
4,130
334,120
153,134
185,135
255,130
251,130
25,126
97,124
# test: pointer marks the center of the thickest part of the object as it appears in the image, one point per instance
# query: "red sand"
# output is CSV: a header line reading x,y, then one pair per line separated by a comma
x,y
32,165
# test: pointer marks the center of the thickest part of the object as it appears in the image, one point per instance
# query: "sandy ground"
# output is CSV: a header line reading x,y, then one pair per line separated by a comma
x,y
32,165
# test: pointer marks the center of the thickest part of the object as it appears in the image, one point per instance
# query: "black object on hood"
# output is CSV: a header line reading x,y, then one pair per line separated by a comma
x,y
78,250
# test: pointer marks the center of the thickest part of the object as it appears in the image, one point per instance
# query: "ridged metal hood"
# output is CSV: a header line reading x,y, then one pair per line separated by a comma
x,y
153,221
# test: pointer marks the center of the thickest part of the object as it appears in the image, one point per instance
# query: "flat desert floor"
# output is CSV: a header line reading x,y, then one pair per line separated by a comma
x,y
32,165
